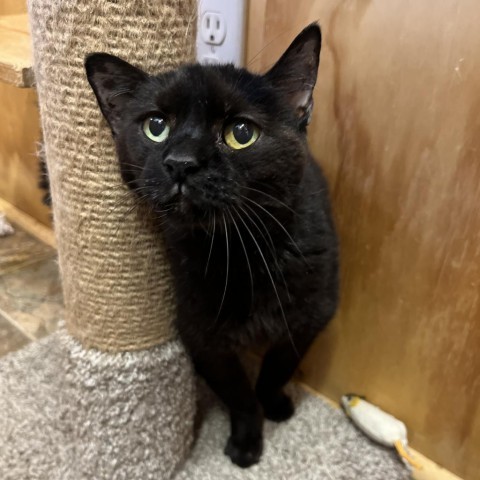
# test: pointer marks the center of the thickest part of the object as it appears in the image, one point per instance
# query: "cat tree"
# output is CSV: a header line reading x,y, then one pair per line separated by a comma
x,y
111,395
116,285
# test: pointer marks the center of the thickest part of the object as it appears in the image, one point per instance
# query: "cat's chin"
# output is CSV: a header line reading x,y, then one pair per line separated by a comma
x,y
184,203
184,208
186,215
180,209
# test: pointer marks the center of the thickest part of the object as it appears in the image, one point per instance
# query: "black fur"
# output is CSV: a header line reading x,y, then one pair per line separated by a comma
x,y
44,179
250,239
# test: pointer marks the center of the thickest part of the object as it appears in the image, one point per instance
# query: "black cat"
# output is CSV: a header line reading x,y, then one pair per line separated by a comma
x,y
222,155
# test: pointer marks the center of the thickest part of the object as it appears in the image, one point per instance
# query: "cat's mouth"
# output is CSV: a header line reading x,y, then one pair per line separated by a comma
x,y
181,195
179,189
192,201
182,198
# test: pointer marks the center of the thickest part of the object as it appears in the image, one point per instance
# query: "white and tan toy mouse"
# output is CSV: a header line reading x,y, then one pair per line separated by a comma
x,y
378,425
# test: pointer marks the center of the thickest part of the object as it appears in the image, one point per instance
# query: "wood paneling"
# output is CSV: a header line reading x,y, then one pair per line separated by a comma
x,y
19,170
16,61
397,128
19,118
28,223
255,30
13,7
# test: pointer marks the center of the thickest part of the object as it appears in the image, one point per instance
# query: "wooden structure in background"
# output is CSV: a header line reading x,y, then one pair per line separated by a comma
x,y
19,168
19,117
15,51
397,128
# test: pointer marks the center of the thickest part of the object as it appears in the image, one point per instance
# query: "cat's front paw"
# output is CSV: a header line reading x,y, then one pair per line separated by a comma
x,y
278,407
244,453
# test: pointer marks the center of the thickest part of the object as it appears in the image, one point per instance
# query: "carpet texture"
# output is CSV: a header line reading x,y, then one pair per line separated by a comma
x,y
68,413
318,443
73,414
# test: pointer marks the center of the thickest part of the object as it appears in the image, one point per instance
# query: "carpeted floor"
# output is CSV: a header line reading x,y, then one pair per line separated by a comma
x,y
71,414
318,443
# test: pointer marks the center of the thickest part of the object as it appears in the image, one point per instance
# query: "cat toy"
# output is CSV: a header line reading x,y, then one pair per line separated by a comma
x,y
379,426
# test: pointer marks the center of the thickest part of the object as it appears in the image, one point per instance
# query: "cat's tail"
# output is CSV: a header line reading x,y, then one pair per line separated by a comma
x,y
43,179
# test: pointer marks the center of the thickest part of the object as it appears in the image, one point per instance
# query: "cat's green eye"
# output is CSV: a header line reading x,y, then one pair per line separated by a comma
x,y
156,129
240,134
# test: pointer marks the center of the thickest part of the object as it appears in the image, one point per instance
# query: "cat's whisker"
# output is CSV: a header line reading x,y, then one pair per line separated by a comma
x,y
271,280
294,243
162,223
209,223
119,202
204,225
139,199
120,92
211,243
270,245
131,165
272,197
120,220
139,189
246,255
227,268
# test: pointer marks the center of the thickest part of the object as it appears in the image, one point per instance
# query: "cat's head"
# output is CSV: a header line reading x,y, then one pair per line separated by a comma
x,y
202,139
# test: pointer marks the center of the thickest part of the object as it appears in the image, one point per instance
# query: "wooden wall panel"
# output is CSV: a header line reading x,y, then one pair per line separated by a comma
x,y
397,128
13,7
19,134
255,30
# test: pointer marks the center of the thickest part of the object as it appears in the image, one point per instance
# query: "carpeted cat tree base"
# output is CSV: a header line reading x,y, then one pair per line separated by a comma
x,y
68,413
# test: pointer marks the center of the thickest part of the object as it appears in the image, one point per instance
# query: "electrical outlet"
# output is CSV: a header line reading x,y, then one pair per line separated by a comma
x,y
213,28
220,31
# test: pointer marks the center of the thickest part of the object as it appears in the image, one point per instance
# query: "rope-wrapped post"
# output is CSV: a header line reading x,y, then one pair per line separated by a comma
x,y
116,283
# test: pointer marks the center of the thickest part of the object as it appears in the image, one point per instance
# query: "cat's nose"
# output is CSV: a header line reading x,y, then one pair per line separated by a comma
x,y
180,166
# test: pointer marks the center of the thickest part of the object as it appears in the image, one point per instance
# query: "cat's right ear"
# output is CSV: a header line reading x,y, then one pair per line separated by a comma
x,y
295,74
113,81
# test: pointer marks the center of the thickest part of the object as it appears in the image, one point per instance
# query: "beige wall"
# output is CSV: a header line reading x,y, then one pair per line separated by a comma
x,y
397,128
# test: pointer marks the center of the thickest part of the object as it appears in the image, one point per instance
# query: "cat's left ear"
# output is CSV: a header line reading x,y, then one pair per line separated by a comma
x,y
113,81
295,74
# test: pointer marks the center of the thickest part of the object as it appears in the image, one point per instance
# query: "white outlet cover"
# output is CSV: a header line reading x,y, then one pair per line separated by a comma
x,y
213,28
227,45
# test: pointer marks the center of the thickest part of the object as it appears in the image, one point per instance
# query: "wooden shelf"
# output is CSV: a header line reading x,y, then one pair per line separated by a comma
x,y
16,64
31,225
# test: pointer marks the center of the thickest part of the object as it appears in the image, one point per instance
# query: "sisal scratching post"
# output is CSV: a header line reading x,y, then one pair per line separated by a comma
x,y
114,390
116,283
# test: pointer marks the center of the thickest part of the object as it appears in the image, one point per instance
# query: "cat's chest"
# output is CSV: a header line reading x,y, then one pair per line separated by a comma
x,y
236,264
235,279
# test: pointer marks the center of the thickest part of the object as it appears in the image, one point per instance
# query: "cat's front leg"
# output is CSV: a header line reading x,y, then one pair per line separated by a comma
x,y
226,377
278,366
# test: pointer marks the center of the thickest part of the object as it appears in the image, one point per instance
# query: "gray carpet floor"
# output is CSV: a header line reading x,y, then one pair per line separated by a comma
x,y
68,414
318,443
